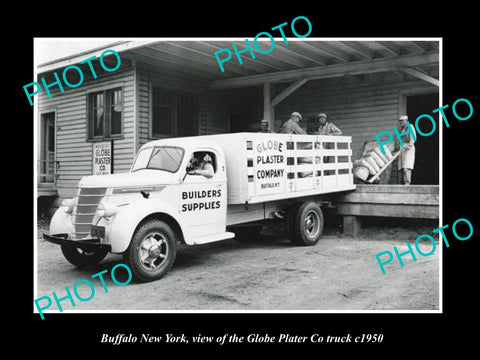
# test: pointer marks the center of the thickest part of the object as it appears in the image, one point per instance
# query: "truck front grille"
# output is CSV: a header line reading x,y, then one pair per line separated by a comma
x,y
88,200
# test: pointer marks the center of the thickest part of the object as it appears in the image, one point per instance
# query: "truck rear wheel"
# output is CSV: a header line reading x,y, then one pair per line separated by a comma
x,y
152,251
305,224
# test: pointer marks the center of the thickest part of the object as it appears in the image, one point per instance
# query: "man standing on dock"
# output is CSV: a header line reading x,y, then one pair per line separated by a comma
x,y
406,159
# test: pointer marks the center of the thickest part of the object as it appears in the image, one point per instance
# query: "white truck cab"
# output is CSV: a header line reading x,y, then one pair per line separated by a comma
x,y
250,177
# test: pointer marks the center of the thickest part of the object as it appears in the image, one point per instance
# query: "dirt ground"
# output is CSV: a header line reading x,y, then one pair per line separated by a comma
x,y
339,273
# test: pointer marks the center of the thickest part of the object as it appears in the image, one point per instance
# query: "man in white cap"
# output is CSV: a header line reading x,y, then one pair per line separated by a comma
x,y
327,128
406,159
291,126
264,124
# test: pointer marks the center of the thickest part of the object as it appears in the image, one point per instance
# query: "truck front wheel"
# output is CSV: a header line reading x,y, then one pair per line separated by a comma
x,y
152,251
305,224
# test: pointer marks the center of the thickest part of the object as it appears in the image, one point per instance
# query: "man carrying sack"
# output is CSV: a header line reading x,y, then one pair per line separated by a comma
x,y
406,159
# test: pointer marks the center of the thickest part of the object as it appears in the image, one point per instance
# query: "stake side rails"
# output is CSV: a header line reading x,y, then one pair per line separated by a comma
x,y
64,75
255,42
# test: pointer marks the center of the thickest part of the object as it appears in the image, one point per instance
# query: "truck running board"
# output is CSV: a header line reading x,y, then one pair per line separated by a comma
x,y
211,238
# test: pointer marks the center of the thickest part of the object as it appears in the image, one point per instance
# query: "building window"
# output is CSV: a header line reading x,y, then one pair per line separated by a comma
x,y
173,114
105,115
162,114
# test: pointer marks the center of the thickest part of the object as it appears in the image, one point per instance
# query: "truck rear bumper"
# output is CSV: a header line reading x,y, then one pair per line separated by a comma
x,y
87,244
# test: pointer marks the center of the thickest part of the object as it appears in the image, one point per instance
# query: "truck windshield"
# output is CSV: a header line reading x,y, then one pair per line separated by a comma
x,y
164,158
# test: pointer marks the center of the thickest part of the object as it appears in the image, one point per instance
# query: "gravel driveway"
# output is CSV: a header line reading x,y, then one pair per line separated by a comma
x,y
339,273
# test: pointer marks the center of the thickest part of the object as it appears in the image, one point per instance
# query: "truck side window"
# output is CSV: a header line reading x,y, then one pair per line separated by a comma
x,y
202,163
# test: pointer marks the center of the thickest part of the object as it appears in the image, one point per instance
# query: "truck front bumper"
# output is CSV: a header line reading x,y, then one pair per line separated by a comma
x,y
86,244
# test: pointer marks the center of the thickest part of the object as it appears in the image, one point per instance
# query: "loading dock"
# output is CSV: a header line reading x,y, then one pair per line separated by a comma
x,y
414,201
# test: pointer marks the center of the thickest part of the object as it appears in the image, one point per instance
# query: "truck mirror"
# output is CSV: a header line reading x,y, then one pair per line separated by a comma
x,y
187,169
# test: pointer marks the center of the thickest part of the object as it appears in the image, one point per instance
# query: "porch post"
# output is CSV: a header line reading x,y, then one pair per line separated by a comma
x,y
268,109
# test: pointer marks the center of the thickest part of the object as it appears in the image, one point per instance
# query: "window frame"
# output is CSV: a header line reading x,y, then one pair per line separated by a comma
x,y
107,126
213,154
180,163
175,93
173,113
170,147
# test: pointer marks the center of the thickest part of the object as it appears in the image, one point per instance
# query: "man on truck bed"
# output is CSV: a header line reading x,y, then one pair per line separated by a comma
x,y
327,128
291,126
264,127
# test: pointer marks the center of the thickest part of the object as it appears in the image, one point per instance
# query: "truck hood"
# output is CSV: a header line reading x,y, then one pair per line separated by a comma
x,y
145,177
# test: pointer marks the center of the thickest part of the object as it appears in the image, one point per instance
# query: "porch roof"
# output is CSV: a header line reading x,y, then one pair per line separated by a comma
x,y
298,61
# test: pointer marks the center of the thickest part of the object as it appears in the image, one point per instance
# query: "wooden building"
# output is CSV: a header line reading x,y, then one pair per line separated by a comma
x,y
169,88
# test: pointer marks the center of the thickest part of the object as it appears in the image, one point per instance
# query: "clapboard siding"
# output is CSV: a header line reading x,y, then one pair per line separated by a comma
x,y
143,109
73,152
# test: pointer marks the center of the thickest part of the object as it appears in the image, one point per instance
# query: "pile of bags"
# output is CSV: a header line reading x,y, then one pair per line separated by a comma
x,y
372,161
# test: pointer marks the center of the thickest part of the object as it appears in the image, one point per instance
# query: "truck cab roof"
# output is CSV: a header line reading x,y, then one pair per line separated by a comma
x,y
188,143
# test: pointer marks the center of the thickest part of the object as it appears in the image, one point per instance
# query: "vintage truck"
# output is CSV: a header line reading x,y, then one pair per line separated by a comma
x,y
145,213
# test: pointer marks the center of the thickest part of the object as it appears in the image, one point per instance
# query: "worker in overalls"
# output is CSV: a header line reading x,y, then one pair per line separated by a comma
x,y
291,126
406,159
327,128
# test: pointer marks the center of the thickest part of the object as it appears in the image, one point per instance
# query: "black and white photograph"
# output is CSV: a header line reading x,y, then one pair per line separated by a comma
x,y
245,189
287,179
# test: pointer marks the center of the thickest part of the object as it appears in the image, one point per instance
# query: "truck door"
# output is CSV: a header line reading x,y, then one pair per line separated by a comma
x,y
203,200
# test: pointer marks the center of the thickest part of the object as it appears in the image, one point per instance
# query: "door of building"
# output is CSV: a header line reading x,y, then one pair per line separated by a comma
x,y
426,169
46,166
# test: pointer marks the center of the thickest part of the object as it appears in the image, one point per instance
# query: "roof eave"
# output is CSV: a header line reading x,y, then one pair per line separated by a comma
x,y
118,46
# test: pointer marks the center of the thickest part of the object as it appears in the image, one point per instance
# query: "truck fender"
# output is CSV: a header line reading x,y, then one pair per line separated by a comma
x,y
61,222
121,229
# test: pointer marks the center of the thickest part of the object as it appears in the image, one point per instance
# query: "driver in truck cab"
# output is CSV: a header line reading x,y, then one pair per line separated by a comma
x,y
203,167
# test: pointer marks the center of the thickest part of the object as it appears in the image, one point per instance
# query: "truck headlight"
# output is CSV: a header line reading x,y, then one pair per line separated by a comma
x,y
106,209
67,205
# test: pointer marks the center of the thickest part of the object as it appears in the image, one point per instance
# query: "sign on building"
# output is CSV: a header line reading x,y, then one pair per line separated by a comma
x,y
102,158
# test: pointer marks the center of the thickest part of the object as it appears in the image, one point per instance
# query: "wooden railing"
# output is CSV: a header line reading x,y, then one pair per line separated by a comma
x,y
45,177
